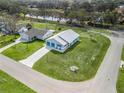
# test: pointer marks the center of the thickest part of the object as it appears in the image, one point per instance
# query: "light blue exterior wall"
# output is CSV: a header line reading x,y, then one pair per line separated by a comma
x,y
56,47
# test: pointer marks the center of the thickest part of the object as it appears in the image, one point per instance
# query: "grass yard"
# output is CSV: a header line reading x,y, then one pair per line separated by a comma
x,y
122,56
5,40
102,30
23,50
120,82
87,55
43,25
10,85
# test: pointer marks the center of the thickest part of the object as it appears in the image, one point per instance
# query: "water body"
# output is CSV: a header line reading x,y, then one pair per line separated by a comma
x,y
49,18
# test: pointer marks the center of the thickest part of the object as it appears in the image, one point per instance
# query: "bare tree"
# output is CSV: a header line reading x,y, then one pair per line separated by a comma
x,y
12,23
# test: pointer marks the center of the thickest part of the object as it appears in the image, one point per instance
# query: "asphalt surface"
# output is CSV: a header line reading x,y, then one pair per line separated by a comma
x,y
37,81
106,77
103,82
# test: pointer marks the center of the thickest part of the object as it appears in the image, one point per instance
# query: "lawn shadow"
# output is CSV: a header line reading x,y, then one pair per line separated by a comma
x,y
33,41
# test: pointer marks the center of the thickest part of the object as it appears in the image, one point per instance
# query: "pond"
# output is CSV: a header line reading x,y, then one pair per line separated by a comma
x,y
49,18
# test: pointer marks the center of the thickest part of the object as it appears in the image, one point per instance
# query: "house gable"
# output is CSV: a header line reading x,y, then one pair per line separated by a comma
x,y
54,41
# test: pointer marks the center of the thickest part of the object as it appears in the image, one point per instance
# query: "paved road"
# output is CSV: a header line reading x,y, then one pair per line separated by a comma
x,y
103,82
30,61
106,77
39,82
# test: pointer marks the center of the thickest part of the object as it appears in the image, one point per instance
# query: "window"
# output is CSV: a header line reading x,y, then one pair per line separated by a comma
x,y
59,47
48,43
52,45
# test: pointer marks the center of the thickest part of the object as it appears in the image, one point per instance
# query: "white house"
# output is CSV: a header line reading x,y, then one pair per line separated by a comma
x,y
62,41
33,33
46,34
22,30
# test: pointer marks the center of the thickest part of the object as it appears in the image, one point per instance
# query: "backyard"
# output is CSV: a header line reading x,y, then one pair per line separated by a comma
x,y
87,55
10,85
23,50
42,25
55,26
120,82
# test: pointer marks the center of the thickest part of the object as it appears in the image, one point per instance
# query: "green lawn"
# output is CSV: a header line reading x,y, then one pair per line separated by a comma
x,y
23,50
5,40
122,56
10,85
43,25
102,30
87,55
120,82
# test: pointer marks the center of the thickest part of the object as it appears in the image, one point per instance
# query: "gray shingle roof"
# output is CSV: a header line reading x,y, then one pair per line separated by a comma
x,y
65,37
61,41
68,35
35,32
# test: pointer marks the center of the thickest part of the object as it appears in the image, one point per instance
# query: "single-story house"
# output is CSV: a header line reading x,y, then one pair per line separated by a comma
x,y
33,33
62,41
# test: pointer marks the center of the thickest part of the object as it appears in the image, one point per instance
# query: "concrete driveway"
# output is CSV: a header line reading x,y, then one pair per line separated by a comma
x,y
30,61
103,82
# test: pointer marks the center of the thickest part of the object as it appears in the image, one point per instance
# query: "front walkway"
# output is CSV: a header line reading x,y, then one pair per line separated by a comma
x,y
30,61
10,45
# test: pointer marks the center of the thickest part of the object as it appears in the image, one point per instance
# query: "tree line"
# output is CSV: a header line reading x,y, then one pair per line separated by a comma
x,y
97,11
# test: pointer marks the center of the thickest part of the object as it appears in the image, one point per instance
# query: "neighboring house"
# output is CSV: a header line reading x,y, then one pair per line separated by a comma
x,y
62,41
6,29
120,9
33,34
120,12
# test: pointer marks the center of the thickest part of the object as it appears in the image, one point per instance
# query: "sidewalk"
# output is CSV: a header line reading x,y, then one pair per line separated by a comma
x,y
30,61
10,45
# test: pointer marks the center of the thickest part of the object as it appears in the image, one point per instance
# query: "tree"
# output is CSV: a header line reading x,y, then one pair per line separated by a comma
x,y
14,8
110,17
77,16
24,11
87,6
11,23
4,5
